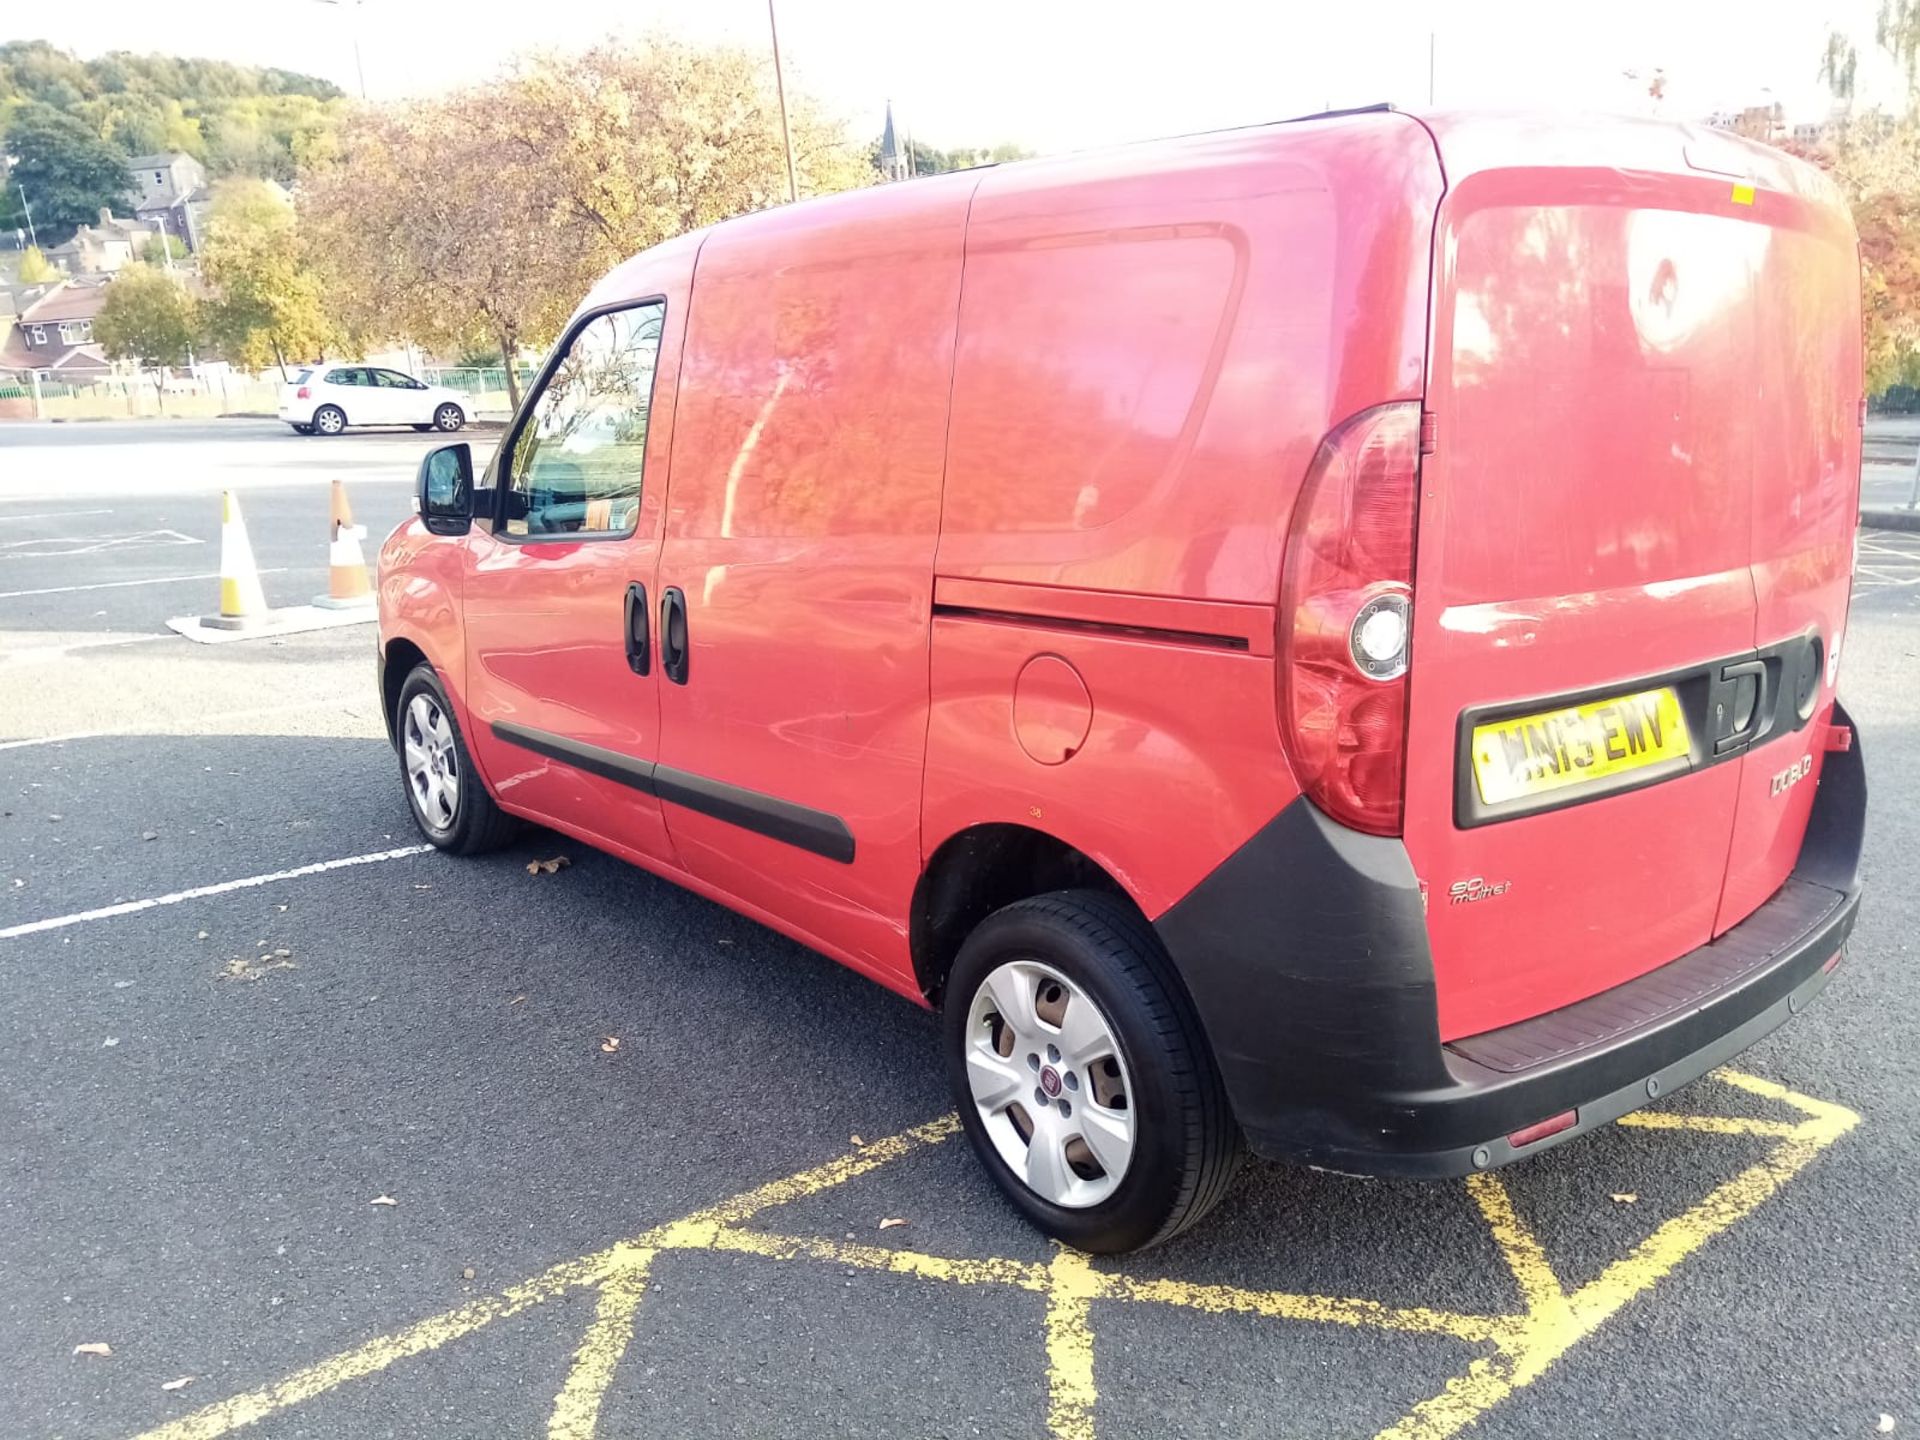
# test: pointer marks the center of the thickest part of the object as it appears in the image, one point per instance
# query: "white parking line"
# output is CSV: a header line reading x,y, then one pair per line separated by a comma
x,y
55,514
124,584
63,546
201,892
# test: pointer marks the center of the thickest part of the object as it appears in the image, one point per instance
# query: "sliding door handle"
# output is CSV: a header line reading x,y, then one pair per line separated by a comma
x,y
639,646
673,634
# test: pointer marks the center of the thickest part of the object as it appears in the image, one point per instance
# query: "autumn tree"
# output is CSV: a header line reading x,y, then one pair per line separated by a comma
x,y
35,268
147,318
1875,160
491,211
266,302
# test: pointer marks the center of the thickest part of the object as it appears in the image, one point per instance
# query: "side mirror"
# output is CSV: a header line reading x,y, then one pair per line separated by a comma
x,y
445,494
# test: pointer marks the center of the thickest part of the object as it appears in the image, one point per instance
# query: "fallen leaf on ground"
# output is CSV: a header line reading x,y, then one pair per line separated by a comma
x,y
149,834
1624,1197
109,1042
517,1000
547,867
467,1274
180,1384
94,1347
610,1044
383,1200
201,936
891,1221
857,1140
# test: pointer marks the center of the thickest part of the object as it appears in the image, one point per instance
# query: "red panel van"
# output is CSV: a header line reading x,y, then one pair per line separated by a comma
x,y
1320,637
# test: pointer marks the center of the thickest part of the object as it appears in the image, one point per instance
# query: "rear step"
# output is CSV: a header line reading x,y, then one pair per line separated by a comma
x,y
1773,933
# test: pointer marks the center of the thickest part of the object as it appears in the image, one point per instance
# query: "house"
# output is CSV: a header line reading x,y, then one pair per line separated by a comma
x,y
172,189
52,333
103,248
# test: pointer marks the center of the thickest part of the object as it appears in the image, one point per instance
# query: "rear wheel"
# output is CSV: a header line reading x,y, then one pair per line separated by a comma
x,y
329,419
450,804
449,417
1081,1075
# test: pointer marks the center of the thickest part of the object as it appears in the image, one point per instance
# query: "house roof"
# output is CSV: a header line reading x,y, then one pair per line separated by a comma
x,y
82,359
75,300
157,162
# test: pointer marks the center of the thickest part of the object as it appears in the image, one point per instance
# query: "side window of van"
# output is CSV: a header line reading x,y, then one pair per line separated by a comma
x,y
576,463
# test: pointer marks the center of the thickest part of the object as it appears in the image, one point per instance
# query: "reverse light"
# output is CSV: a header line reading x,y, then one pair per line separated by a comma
x,y
1346,618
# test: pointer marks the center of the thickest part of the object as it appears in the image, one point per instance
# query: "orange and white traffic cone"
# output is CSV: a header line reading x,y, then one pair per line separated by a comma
x,y
347,584
243,604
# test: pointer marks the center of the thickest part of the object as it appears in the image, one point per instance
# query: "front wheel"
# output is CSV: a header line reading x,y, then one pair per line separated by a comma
x,y
450,804
1081,1074
448,418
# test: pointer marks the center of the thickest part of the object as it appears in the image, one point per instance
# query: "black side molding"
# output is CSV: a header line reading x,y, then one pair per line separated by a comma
x,y
807,829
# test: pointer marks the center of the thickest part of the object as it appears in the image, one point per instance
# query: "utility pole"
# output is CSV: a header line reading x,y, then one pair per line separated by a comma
x,y
32,239
353,31
166,244
780,89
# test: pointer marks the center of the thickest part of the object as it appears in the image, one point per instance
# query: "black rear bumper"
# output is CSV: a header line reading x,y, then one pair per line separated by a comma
x,y
1306,956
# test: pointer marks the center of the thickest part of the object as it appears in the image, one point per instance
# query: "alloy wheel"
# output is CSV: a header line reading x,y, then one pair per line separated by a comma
x,y
1050,1084
433,765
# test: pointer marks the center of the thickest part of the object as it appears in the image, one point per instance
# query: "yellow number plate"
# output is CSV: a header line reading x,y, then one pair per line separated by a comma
x,y
1558,749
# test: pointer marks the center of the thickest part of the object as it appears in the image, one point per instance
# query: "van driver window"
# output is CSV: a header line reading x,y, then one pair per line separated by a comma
x,y
576,462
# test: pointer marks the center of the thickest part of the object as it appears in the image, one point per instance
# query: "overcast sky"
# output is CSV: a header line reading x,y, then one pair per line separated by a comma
x,y
1061,74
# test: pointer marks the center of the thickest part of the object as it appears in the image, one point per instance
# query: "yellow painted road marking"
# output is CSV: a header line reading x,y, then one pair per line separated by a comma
x,y
1707,1124
576,1410
1314,1309
1070,1292
1516,1349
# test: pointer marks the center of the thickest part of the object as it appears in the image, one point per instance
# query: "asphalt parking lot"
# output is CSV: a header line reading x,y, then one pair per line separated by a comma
x,y
357,1140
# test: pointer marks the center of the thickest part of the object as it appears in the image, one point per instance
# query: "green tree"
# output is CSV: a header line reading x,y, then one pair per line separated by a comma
x,y
35,268
266,302
158,249
147,318
68,172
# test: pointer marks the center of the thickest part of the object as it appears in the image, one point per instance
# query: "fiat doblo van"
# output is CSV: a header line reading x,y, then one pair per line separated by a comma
x,y
1319,637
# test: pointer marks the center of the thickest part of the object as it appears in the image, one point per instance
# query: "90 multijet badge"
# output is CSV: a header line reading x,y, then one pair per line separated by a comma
x,y
1472,892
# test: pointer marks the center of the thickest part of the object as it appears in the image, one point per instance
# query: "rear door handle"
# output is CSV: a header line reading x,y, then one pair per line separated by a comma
x,y
673,634
1745,728
639,647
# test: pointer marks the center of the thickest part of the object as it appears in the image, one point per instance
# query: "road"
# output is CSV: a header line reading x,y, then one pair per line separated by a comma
x,y
206,1099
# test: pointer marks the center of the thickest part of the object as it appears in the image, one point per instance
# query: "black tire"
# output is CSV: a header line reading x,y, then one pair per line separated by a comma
x,y
329,420
478,825
1187,1145
449,418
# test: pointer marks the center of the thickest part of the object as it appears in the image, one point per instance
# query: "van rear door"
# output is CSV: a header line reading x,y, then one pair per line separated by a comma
x,y
1586,623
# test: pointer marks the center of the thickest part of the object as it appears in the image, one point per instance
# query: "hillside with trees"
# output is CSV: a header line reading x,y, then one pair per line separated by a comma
x,y
237,120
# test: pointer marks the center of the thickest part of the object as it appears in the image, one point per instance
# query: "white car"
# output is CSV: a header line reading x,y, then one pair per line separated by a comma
x,y
328,398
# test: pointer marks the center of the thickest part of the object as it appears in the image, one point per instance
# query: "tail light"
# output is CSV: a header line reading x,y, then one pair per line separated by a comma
x,y
1346,618
301,394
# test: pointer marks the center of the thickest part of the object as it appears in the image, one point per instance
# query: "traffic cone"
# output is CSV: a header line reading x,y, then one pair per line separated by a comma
x,y
242,603
347,584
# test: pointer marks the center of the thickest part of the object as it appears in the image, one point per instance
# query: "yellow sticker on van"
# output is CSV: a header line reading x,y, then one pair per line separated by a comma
x,y
1579,745
1743,194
